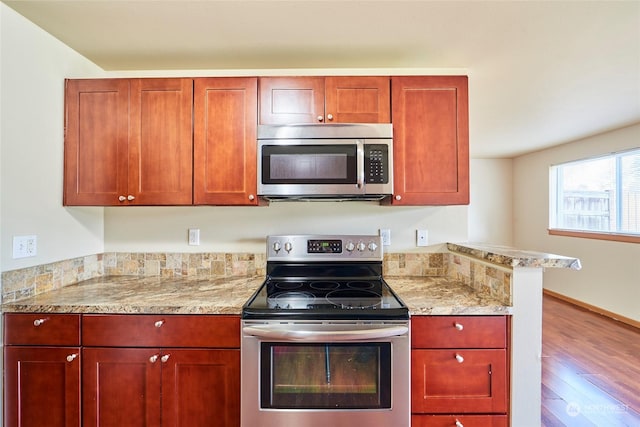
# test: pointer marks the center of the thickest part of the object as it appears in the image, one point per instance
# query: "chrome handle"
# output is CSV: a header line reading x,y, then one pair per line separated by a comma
x,y
458,326
294,334
329,116
459,358
130,197
459,424
39,322
360,164
154,358
320,118
165,358
252,197
122,198
159,323
398,197
72,357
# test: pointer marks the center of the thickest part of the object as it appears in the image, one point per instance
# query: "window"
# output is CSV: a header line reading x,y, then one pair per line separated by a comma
x,y
598,196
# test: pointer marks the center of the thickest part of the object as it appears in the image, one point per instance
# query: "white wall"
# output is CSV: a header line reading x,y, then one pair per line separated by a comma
x,y
610,277
33,68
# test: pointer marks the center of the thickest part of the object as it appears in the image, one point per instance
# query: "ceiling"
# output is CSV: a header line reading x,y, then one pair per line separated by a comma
x,y
541,73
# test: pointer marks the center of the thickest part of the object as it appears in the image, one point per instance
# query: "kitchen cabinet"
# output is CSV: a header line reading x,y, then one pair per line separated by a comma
x,y
335,99
431,140
225,122
460,369
156,370
128,142
42,370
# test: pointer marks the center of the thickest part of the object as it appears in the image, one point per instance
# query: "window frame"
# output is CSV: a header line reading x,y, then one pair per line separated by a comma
x,y
587,234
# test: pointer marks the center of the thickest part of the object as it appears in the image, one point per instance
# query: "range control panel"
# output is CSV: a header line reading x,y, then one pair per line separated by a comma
x,y
324,248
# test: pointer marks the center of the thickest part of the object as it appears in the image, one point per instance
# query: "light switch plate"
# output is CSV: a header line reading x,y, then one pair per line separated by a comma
x,y
194,236
25,246
422,238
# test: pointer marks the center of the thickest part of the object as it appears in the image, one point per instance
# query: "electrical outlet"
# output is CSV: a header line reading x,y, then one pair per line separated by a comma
x,y
422,238
25,246
194,236
385,233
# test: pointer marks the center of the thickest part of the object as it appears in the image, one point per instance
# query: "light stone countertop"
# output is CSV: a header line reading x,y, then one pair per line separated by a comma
x,y
156,295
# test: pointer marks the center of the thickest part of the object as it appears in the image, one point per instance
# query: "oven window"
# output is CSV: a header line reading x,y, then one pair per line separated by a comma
x,y
309,164
325,376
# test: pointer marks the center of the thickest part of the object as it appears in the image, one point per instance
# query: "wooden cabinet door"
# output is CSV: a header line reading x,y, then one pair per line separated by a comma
x,y
160,142
42,387
201,388
364,99
431,140
225,162
121,387
459,420
459,381
291,100
96,141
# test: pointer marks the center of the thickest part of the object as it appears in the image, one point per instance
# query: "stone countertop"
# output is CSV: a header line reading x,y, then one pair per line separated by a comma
x,y
511,257
157,295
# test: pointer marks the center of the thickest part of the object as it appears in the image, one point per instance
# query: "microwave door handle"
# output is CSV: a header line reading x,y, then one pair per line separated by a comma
x,y
299,334
360,164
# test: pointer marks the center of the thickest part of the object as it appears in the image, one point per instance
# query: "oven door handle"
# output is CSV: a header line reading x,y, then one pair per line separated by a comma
x,y
296,334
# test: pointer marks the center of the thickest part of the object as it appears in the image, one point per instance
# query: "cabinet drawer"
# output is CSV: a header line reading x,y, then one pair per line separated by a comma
x,y
459,381
150,330
463,421
458,331
41,329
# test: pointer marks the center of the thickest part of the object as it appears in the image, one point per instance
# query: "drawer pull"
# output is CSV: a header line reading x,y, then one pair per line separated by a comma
x,y
459,424
154,358
39,322
159,323
72,357
165,358
459,358
458,326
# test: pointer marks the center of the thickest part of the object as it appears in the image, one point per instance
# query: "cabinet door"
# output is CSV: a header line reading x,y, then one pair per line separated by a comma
x,y
459,420
458,381
160,142
431,140
121,387
96,138
225,161
291,100
200,388
357,99
42,387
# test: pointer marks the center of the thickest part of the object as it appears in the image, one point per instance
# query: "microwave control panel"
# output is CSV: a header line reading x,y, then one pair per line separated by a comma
x,y
376,160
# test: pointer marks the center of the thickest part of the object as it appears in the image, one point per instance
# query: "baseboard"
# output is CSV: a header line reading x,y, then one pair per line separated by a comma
x,y
595,309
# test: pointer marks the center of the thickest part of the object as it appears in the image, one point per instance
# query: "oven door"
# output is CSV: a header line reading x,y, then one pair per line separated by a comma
x,y
312,374
299,167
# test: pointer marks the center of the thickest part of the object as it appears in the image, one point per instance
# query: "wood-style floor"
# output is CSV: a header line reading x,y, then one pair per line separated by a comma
x,y
590,368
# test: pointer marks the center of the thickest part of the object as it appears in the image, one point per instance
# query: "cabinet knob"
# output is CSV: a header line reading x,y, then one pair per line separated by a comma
x,y
159,323
122,198
459,424
459,358
154,358
320,118
329,116
165,358
130,197
39,322
398,197
252,197
458,326
72,357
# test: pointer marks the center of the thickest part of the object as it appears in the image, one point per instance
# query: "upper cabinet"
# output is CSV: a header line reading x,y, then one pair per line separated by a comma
x,y
294,100
128,142
431,140
225,112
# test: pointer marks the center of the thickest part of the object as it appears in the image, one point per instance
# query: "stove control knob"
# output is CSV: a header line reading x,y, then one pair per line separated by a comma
x,y
372,246
277,246
288,246
350,247
361,246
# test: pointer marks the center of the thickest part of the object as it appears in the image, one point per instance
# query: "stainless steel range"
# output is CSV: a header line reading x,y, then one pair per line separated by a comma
x,y
325,340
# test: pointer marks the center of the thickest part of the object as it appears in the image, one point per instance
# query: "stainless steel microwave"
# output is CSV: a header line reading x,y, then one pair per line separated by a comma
x,y
325,161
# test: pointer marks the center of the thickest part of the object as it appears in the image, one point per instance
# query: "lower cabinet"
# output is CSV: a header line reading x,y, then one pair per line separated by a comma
x,y
460,371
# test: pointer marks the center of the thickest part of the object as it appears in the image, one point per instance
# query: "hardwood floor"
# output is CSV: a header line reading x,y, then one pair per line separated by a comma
x,y
590,368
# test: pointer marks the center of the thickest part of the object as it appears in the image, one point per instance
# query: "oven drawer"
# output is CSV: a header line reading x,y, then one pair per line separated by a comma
x,y
459,421
42,329
151,330
458,332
